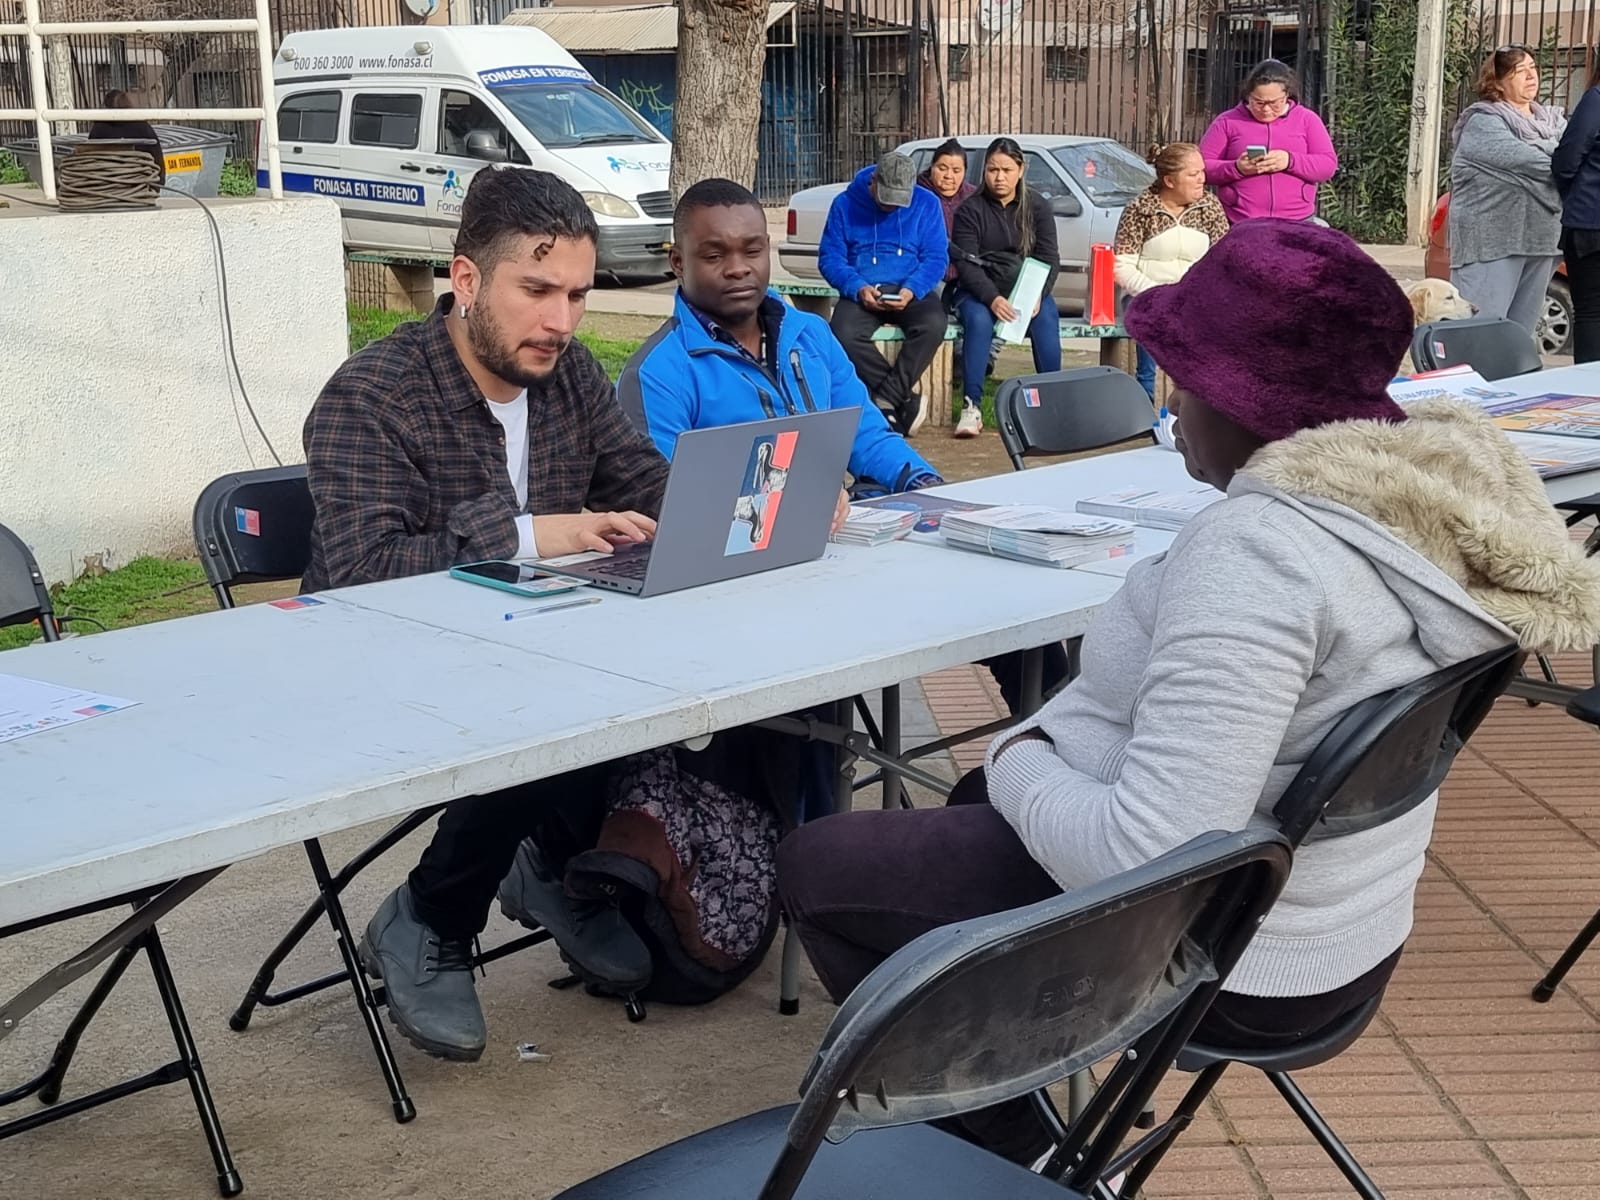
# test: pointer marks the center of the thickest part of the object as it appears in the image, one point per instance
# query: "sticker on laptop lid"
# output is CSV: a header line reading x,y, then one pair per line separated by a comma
x,y
755,511
248,521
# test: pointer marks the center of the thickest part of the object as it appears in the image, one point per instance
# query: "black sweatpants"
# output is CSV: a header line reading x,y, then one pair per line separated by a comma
x,y
890,384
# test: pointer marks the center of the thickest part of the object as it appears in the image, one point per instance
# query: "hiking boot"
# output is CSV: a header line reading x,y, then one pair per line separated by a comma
x,y
432,1000
970,423
913,414
593,936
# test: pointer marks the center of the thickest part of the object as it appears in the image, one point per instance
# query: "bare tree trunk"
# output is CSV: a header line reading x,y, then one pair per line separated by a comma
x,y
717,114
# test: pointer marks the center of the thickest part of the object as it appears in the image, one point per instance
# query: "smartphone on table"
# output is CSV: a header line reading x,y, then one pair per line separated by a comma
x,y
520,579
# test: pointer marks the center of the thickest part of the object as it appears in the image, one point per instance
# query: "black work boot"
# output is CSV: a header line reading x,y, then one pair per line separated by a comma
x,y
432,1000
593,936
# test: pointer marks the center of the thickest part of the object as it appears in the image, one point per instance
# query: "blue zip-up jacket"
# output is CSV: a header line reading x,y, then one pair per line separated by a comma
x,y
684,378
1576,165
863,245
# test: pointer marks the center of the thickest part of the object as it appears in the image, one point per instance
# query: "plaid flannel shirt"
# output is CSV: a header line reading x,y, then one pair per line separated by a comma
x,y
408,466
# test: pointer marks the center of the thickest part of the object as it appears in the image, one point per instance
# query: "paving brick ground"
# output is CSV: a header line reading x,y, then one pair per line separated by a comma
x,y
1464,1087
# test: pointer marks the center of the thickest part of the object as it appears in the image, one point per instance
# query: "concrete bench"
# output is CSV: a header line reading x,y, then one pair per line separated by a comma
x,y
938,381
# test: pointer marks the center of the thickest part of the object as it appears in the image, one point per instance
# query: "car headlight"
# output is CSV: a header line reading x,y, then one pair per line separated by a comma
x,y
608,205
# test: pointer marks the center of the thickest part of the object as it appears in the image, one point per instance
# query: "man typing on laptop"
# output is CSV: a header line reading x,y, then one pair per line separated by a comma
x,y
733,351
480,433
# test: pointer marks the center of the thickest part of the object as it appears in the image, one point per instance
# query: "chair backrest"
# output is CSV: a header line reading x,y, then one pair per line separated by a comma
x,y
254,527
1389,753
1066,412
23,595
991,1009
1494,347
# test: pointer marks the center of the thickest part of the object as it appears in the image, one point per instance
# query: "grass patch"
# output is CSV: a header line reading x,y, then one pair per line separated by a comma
x,y
12,171
147,589
370,324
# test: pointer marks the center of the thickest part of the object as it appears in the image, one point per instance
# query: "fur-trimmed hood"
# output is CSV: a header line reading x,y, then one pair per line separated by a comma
x,y
1461,498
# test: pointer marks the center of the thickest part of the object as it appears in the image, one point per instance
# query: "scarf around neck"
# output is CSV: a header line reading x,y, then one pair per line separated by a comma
x,y
1544,123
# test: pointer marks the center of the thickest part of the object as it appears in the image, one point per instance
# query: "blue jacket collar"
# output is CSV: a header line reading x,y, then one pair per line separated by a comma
x,y
700,331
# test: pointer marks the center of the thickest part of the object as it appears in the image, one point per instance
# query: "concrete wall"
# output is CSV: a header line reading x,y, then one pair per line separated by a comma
x,y
116,406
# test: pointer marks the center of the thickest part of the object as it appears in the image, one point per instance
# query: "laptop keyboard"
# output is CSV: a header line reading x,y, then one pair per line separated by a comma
x,y
629,566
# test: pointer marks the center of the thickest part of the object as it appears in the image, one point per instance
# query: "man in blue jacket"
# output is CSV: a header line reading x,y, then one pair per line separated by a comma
x,y
734,351
884,249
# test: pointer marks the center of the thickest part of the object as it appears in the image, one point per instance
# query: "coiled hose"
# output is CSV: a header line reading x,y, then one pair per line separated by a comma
x,y
90,180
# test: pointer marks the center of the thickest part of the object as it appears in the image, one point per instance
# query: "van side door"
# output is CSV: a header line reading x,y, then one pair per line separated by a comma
x,y
382,184
467,136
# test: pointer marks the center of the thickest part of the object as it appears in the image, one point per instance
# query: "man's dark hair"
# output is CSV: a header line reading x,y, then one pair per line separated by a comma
x,y
505,204
116,98
711,193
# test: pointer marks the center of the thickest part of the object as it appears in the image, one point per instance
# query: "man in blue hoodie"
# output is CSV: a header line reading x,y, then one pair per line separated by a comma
x,y
885,250
734,351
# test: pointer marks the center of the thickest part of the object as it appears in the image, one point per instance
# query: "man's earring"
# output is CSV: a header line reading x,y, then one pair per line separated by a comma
x,y
464,312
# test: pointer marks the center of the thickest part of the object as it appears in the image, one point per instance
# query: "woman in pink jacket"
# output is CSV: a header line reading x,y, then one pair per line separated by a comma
x,y
1266,157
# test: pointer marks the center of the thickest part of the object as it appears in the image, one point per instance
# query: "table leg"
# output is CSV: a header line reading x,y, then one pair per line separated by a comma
x,y
891,745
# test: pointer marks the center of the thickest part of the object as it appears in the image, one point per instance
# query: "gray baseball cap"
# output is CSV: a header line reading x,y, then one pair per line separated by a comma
x,y
896,179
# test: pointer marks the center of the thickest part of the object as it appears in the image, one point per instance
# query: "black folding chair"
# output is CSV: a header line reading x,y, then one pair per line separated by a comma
x,y
1585,707
1068,412
24,598
986,1011
1385,757
255,527
1494,347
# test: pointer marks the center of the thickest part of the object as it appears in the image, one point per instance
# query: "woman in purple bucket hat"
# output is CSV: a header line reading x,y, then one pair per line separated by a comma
x,y
1359,548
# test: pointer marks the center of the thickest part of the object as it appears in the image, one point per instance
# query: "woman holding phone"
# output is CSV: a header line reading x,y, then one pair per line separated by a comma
x,y
995,229
1266,156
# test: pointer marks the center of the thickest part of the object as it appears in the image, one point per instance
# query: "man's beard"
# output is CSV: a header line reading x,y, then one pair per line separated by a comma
x,y
489,344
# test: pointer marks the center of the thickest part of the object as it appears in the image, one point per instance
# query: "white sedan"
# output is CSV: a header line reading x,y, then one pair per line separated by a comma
x,y
1085,180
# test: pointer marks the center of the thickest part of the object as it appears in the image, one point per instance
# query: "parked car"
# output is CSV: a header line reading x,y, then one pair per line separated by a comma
x,y
1085,180
1555,324
392,124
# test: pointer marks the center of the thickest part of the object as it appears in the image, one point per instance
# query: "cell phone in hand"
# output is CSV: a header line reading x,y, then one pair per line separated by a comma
x,y
1255,151
889,291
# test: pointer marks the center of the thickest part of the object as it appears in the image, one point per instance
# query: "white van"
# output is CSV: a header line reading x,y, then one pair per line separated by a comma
x,y
392,123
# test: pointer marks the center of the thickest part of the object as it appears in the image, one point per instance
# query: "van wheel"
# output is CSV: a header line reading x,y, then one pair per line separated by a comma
x,y
1555,323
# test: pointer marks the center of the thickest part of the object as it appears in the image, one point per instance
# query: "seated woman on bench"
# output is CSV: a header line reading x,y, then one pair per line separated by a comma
x,y
1360,548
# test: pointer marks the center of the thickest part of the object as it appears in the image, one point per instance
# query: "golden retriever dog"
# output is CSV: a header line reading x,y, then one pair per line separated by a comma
x,y
1434,300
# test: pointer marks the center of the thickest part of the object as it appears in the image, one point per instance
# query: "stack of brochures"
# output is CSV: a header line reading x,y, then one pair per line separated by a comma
x,y
874,526
1553,455
1150,508
1034,534
927,511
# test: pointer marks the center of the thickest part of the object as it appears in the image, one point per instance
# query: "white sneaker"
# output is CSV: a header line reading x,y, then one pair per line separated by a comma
x,y
920,417
970,423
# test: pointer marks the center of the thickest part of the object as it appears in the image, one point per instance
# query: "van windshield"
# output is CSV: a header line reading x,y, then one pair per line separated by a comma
x,y
575,114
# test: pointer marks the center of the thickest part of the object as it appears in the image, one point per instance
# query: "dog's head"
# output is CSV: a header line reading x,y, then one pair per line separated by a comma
x,y
1437,300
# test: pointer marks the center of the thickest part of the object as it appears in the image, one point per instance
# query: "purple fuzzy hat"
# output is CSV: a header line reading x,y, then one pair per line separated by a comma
x,y
1282,326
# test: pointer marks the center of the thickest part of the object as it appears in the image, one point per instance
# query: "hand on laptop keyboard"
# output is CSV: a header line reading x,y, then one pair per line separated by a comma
x,y
576,532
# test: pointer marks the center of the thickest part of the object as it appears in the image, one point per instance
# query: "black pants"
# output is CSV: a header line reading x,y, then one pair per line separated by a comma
x,y
1583,277
858,886
455,880
891,385
1007,672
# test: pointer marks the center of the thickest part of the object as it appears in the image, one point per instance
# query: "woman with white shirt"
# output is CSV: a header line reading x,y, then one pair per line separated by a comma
x,y
1165,229
1359,548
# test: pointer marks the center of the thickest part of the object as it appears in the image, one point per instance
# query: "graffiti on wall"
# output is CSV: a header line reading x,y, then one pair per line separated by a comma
x,y
647,100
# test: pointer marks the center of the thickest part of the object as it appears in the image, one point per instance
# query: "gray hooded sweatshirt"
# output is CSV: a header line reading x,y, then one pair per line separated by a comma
x,y
1346,561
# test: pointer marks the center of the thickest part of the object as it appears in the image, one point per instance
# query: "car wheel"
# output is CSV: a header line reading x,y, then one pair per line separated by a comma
x,y
1555,323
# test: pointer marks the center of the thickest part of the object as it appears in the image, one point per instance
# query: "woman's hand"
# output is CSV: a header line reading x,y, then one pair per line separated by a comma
x,y
1274,160
1002,310
1247,165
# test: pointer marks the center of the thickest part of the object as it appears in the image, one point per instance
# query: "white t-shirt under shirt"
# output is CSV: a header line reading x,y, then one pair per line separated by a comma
x,y
513,417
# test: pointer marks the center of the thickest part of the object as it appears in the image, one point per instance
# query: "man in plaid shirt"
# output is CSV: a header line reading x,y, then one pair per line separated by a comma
x,y
423,452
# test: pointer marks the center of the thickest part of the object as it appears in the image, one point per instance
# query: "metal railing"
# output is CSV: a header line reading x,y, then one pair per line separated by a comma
x,y
34,30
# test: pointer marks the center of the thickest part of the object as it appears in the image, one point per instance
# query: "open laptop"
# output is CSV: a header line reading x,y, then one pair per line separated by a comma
x,y
740,499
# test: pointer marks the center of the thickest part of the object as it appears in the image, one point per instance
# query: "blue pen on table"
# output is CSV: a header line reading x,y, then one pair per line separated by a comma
x,y
544,608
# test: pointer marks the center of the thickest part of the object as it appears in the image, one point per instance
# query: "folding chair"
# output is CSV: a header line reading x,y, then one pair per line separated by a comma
x,y
1383,758
1585,707
1494,347
986,1011
23,598
1068,412
255,527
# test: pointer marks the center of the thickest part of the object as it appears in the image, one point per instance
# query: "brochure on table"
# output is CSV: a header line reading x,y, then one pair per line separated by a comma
x,y
28,706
